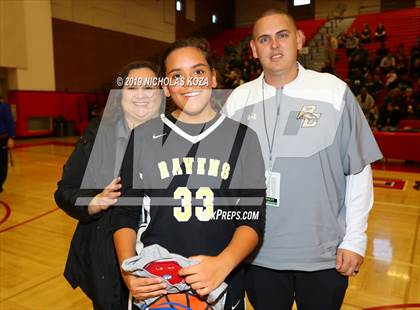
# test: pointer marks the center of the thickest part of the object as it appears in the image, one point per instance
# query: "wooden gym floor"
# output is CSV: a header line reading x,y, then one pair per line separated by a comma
x,y
35,237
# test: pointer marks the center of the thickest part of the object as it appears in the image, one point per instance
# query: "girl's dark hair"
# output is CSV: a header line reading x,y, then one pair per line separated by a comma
x,y
135,65
199,43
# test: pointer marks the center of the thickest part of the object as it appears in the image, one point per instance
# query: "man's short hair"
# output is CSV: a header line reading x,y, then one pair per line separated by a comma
x,y
271,12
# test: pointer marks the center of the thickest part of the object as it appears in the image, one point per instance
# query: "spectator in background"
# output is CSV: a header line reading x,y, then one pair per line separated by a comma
x,y
357,69
237,78
401,60
356,33
390,78
400,50
394,96
377,73
415,50
350,84
373,86
365,36
416,99
408,104
366,101
380,33
415,68
303,55
380,53
416,86
369,108
233,78
351,43
7,134
357,78
373,117
246,70
389,117
229,76
355,63
358,74
363,53
403,82
387,63
400,64
371,62
342,39
230,49
332,45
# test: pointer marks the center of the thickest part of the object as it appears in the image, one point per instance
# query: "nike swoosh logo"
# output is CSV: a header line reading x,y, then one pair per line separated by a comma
x,y
158,136
237,304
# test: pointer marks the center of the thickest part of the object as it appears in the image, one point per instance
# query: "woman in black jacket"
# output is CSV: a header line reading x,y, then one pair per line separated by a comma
x,y
90,185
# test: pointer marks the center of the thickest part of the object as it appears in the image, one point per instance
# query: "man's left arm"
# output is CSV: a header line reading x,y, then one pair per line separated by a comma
x,y
359,202
359,151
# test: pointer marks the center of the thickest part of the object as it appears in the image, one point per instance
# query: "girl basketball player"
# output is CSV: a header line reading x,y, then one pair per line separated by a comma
x,y
204,164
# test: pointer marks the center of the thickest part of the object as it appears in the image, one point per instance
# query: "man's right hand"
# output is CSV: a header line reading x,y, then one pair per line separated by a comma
x,y
144,288
106,198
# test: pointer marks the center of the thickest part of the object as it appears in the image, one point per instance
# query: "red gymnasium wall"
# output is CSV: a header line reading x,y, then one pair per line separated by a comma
x,y
48,105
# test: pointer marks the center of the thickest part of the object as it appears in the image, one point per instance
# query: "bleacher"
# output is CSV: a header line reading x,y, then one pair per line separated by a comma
x,y
401,26
235,36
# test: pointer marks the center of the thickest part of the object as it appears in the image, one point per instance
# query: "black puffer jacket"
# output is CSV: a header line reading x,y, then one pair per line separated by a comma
x,y
92,263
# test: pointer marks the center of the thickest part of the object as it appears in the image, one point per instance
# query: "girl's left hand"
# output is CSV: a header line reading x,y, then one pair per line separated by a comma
x,y
207,275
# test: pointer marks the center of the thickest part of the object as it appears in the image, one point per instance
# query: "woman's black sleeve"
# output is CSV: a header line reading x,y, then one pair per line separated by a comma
x,y
68,188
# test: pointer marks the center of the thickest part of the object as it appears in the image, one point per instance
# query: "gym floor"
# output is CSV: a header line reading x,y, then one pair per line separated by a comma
x,y
35,236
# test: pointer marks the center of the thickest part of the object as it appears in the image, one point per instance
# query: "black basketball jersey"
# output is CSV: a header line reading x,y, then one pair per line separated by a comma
x,y
194,184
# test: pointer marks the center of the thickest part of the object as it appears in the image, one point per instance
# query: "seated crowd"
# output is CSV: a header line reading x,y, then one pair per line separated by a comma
x,y
237,65
385,82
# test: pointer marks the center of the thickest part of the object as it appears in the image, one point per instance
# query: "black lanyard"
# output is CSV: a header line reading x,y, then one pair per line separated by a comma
x,y
270,144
